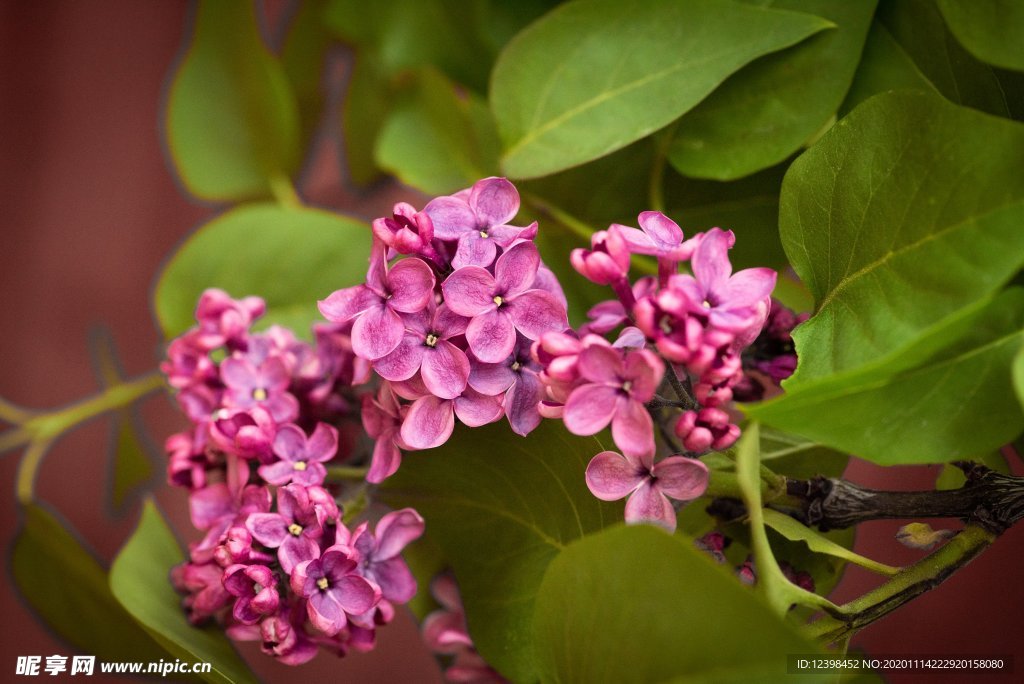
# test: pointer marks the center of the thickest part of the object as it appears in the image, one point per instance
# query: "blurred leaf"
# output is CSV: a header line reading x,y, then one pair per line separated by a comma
x,y
951,477
426,561
232,120
825,570
132,467
67,588
633,604
139,581
919,34
591,77
991,30
800,458
773,106
291,257
497,21
1018,375
303,56
905,213
365,108
819,543
951,406
501,508
437,140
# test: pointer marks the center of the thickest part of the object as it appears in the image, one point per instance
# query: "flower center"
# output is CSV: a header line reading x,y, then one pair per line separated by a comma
x,y
295,529
257,588
627,386
498,301
516,365
431,340
259,394
299,465
665,324
323,583
706,304
483,234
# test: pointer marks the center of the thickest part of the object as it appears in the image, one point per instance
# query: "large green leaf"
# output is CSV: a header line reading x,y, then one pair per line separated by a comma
x,y
368,100
992,30
771,107
291,257
232,120
67,587
303,56
1018,375
139,581
501,508
437,140
633,604
593,76
953,405
913,30
907,212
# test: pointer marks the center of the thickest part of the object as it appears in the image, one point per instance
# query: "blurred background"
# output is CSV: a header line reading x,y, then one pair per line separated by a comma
x,y
89,211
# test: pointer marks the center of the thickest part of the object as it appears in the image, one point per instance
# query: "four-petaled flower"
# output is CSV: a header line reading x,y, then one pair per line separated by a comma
x,y
426,347
302,458
334,589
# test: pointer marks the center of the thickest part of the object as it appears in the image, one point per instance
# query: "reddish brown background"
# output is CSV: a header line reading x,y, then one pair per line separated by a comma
x,y
88,213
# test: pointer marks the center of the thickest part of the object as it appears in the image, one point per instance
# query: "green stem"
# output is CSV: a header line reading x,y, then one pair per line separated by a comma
x,y
284,192
42,429
543,206
656,181
906,585
344,473
13,414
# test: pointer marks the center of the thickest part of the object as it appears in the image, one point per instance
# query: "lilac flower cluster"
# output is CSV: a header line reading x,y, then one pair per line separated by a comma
x,y
277,564
453,299
682,333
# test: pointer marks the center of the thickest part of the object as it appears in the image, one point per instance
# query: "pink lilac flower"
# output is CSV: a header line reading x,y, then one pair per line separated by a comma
x,y
294,530
382,419
426,347
225,321
334,589
607,260
375,307
248,433
259,384
517,379
478,220
658,236
256,590
302,457
407,231
205,594
380,559
219,506
709,428
431,420
612,476
501,304
284,637
616,390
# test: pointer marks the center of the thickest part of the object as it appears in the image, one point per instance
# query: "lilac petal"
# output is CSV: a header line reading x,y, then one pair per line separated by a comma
x,y
611,476
326,613
474,250
294,550
448,324
451,217
269,529
395,580
355,594
277,473
445,370
637,241
403,361
313,475
376,333
747,287
210,504
681,478
491,378
711,260
630,338
521,403
494,201
396,530
290,443
491,336
342,305
664,232
323,443
516,269
445,632
547,280
647,504
475,409
469,291
536,312
238,373
599,363
687,286
429,423
411,283
589,409
646,370
386,458
632,428
506,235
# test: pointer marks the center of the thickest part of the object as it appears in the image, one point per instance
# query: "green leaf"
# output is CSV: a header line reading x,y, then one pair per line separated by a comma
x,y
951,406
303,56
436,140
818,542
591,77
232,120
1018,375
67,587
951,477
916,33
289,256
905,213
131,467
367,103
992,30
501,508
633,604
771,107
800,458
139,581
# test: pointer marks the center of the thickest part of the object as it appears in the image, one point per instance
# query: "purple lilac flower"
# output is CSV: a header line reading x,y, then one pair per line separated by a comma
x,y
302,457
334,589
407,231
426,347
617,387
382,419
607,260
293,530
262,384
225,321
709,428
517,379
612,476
501,304
256,590
380,559
431,420
248,433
